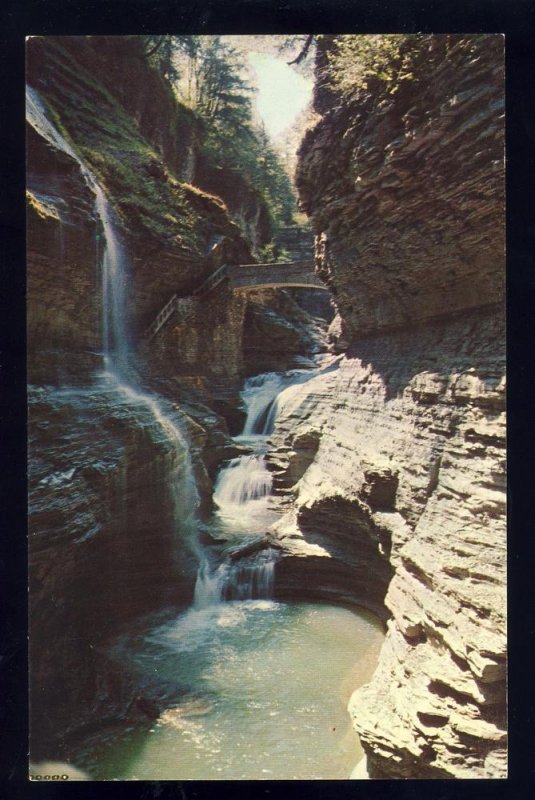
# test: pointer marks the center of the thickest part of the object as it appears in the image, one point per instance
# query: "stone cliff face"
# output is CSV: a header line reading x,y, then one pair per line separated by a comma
x,y
244,202
168,227
396,455
407,206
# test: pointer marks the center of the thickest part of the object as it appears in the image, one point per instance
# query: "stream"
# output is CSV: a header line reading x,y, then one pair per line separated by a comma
x,y
247,687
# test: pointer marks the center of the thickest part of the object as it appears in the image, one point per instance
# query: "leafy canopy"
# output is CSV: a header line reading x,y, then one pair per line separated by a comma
x,y
355,60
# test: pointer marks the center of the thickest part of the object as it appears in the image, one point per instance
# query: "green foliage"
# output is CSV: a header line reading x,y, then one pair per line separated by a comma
x,y
109,141
271,254
214,99
209,75
160,53
234,139
355,60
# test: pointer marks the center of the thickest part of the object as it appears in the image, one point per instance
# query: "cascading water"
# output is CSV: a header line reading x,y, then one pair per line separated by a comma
x,y
118,371
261,395
258,395
244,480
243,498
235,582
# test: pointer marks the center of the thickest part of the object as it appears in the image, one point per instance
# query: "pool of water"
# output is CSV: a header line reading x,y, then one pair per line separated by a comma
x,y
270,685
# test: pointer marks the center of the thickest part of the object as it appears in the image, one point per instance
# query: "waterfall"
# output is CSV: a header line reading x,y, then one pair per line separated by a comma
x,y
261,396
242,496
243,486
258,395
235,581
115,346
244,479
114,338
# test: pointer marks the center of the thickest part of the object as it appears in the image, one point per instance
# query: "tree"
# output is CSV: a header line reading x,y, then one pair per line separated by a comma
x,y
209,75
355,60
160,52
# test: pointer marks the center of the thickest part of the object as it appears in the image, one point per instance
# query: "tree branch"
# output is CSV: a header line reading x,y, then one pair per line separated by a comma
x,y
303,54
156,46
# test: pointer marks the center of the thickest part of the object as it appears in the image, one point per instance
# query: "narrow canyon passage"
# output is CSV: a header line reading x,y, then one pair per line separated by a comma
x,y
267,453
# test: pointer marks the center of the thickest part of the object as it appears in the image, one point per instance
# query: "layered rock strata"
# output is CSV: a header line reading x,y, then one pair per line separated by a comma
x,y
278,333
405,189
405,193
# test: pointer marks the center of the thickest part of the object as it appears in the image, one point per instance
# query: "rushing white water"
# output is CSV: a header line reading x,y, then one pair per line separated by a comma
x,y
261,397
37,116
116,352
239,581
258,394
243,480
242,496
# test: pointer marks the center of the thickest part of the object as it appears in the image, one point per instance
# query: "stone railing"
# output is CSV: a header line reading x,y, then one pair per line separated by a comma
x,y
258,276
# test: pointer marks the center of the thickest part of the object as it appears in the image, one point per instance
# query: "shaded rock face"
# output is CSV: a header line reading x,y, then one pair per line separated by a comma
x,y
168,228
316,302
62,254
336,555
173,130
278,334
203,338
407,206
245,204
405,197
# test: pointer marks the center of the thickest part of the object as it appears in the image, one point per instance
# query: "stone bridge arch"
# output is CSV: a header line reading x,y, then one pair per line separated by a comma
x,y
273,276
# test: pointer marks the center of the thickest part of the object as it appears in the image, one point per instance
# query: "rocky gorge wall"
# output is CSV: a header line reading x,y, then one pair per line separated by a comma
x,y
169,228
396,456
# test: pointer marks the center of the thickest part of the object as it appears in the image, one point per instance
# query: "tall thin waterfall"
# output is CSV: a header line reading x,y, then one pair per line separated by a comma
x,y
114,338
116,351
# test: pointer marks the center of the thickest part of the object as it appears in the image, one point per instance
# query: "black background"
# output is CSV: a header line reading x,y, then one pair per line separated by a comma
x,y
516,18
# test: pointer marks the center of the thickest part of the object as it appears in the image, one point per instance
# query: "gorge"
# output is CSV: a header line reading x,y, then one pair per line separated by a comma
x,y
259,485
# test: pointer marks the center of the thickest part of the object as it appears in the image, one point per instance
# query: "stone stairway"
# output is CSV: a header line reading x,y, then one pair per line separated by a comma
x,y
171,306
298,242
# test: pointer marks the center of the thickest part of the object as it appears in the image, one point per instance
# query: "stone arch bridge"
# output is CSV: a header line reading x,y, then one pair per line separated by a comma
x,y
241,277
